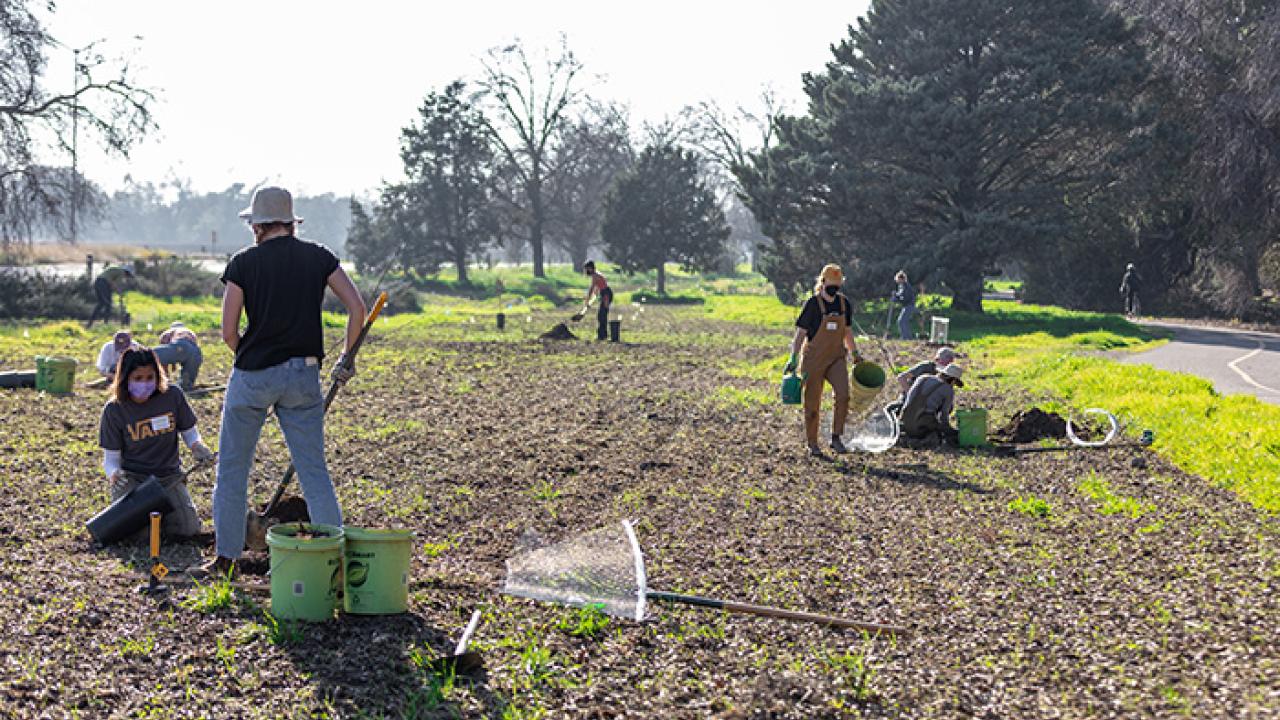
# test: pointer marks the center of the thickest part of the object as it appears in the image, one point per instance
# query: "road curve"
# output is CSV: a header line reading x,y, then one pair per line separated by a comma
x,y
1235,361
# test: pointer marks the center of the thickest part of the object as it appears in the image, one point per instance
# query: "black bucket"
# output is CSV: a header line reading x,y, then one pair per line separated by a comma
x,y
615,329
502,320
129,514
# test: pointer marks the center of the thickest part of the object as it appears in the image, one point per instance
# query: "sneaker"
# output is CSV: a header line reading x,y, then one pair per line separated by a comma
x,y
215,569
837,445
815,451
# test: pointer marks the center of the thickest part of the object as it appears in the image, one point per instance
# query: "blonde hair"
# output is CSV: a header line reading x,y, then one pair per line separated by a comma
x,y
829,269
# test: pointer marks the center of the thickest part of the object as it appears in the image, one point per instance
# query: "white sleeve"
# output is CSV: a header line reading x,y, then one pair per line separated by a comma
x,y
105,366
110,462
190,437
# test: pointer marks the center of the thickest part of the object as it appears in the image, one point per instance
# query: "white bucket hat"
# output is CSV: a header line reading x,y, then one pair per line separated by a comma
x,y
270,205
953,371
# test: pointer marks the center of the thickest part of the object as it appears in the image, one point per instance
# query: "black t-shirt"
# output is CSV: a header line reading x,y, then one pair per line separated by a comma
x,y
146,434
283,281
811,315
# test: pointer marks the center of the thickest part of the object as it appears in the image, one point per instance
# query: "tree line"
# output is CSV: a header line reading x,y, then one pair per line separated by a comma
x,y
522,158
1059,138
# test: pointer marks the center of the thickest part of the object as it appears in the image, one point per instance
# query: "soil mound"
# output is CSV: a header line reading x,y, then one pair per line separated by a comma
x,y
1032,425
291,508
559,332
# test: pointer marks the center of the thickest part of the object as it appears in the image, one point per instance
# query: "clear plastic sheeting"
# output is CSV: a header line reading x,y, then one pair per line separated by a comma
x,y
877,433
603,567
873,432
1111,434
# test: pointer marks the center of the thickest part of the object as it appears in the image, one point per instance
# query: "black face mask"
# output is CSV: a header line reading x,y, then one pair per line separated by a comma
x,y
832,290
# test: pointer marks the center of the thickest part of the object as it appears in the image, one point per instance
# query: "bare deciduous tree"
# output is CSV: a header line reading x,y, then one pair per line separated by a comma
x,y
531,101
35,195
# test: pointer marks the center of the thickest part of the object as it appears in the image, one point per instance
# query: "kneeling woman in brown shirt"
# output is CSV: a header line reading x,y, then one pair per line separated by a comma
x,y
139,434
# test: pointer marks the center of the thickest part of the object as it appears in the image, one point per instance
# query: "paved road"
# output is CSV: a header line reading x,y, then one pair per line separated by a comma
x,y
1236,361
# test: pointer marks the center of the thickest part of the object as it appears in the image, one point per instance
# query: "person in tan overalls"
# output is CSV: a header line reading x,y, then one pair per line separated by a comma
x,y
824,331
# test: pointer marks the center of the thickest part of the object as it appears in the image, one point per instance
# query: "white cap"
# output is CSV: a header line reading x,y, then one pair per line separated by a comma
x,y
953,371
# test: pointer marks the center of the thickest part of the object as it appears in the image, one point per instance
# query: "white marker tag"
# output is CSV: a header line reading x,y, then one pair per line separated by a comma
x,y
160,422
831,326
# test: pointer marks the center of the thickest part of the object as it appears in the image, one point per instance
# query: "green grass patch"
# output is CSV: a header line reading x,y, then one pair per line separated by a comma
x,y
737,397
1096,488
1233,441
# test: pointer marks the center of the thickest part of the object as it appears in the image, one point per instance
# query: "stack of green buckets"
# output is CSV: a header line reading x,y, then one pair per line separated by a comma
x,y
55,375
310,563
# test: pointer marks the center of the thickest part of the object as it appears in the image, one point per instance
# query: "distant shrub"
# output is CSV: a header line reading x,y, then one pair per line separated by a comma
x,y
172,277
25,295
653,298
401,298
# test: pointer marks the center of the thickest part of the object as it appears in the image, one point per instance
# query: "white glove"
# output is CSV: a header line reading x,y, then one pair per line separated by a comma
x,y
343,370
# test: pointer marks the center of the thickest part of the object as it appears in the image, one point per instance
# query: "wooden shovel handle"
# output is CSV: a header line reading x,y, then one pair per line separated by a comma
x,y
766,611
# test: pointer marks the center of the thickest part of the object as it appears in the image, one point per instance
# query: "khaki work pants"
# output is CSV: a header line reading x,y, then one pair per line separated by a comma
x,y
837,373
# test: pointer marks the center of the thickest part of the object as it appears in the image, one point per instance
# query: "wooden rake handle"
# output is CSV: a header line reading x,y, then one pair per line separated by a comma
x,y
766,611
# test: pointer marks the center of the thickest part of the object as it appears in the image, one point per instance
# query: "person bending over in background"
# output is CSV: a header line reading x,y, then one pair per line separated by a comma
x,y
179,346
111,280
824,332
601,287
139,432
109,355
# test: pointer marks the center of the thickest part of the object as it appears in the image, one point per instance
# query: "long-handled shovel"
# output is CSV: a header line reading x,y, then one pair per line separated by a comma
x,y
255,524
462,661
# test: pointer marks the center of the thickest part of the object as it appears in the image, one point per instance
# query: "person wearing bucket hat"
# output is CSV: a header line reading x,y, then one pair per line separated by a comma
x,y
927,410
279,284
139,432
824,333
111,280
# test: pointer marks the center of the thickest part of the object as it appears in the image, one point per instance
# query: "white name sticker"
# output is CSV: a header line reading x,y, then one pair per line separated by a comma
x,y
160,422
831,326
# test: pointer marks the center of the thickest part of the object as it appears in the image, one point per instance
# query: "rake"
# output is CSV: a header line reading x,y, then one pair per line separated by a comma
x,y
604,568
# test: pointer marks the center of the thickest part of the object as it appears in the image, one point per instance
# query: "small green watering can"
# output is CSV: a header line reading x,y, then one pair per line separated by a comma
x,y
792,387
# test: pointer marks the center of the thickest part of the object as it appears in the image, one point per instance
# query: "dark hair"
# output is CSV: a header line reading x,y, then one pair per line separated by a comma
x,y
273,226
589,264
136,357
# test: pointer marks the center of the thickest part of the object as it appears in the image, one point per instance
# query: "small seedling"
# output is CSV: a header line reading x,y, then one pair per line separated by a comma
x,y
282,634
1030,505
589,622
140,646
211,597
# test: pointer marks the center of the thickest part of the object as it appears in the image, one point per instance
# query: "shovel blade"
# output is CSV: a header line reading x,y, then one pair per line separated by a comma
x,y
255,531
468,663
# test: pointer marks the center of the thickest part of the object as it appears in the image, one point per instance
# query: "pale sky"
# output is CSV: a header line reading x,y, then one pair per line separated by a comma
x,y
312,95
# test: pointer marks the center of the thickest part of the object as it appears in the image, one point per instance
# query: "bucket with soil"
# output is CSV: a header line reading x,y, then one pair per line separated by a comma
x,y
377,571
306,570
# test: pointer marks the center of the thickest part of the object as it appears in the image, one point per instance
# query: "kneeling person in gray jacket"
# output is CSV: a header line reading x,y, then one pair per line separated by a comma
x,y
928,406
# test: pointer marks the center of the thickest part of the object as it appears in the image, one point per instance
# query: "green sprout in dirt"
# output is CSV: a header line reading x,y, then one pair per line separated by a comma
x,y
855,670
140,646
212,597
588,622
436,686
282,634
1031,505
226,654
544,490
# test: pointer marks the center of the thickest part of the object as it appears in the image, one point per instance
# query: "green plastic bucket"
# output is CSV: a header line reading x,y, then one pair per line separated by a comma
x,y
305,572
377,571
972,425
55,374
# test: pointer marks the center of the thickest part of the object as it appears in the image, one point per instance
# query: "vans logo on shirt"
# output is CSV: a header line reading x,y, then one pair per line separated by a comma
x,y
151,427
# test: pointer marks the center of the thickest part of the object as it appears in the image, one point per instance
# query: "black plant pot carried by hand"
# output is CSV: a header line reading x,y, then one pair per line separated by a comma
x,y
129,514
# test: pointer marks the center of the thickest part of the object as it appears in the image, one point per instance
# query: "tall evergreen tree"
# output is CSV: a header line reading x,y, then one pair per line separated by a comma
x,y
948,135
449,162
663,212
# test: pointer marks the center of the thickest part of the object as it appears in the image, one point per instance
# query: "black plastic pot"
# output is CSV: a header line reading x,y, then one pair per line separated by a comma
x,y
129,514
615,329
10,380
